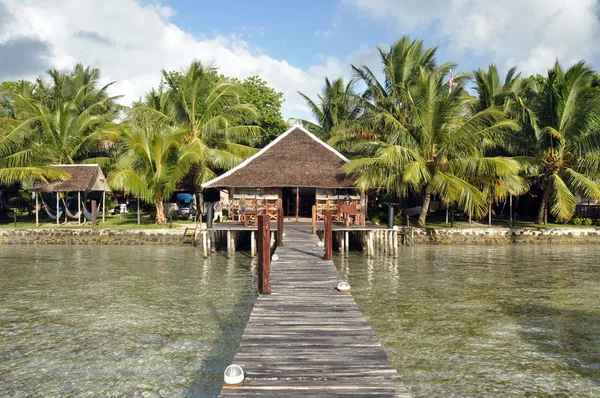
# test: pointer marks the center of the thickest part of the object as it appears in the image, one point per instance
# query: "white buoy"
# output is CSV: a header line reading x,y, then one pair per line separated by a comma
x,y
320,243
234,374
343,287
275,257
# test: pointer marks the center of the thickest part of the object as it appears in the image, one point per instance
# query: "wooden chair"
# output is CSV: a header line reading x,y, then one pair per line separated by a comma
x,y
351,213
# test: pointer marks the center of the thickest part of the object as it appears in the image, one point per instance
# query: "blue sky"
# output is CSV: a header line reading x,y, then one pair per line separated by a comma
x,y
292,45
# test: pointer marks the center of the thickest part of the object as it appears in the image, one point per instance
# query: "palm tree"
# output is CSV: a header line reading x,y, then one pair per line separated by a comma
x,y
429,140
337,109
566,140
60,122
209,107
388,105
154,159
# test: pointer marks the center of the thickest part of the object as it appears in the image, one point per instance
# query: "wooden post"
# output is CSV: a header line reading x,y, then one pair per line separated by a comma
x,y
264,254
37,211
103,205
280,226
252,244
228,243
314,219
205,244
94,213
138,210
328,235
79,207
57,203
297,201
347,242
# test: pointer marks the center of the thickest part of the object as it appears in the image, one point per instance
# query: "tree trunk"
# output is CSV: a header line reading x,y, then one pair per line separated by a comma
x,y
424,207
161,219
490,214
542,217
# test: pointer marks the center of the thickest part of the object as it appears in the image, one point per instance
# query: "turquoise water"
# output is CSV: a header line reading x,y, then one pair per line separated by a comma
x,y
119,321
471,321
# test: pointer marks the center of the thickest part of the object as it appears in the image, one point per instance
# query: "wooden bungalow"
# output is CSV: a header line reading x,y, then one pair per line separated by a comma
x,y
86,180
295,171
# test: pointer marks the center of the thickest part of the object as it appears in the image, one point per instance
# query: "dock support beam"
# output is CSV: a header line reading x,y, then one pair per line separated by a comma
x,y
229,251
252,244
205,243
328,236
314,219
347,242
264,254
280,226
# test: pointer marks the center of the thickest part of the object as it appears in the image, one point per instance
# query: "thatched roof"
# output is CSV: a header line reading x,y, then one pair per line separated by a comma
x,y
296,158
84,178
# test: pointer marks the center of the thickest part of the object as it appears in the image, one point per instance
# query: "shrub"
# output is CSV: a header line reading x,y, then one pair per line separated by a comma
x,y
587,221
376,220
597,223
577,221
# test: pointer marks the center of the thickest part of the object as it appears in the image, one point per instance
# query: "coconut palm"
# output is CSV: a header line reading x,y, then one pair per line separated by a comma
x,y
154,159
431,141
64,121
337,109
566,140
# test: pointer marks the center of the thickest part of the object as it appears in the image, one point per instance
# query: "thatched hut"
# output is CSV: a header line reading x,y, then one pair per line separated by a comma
x,y
85,179
297,169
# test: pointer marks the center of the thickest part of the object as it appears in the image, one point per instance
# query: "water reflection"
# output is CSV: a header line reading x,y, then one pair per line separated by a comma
x,y
486,321
119,321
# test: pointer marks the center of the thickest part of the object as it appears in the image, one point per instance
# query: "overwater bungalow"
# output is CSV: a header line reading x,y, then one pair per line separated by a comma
x,y
87,183
295,171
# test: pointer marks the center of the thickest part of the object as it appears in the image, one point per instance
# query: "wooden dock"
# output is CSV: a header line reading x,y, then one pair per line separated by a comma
x,y
306,338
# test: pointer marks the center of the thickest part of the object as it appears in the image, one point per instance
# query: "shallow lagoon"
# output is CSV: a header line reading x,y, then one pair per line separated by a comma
x,y
119,320
486,321
162,321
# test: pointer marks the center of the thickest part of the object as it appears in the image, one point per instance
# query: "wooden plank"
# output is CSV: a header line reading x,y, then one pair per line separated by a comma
x,y
308,339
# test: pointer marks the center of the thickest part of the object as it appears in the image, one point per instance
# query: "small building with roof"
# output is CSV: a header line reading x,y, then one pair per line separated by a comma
x,y
87,180
297,169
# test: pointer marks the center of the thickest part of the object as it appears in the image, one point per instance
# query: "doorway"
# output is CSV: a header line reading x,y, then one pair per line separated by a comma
x,y
306,196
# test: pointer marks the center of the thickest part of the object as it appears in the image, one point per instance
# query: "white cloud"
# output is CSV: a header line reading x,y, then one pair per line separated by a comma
x,y
130,43
530,34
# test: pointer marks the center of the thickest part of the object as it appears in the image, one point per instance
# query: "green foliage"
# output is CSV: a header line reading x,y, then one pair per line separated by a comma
x,y
267,101
375,219
337,111
577,221
587,221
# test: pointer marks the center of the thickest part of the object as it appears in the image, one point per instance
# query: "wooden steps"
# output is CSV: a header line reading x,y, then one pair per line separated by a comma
x,y
189,235
306,338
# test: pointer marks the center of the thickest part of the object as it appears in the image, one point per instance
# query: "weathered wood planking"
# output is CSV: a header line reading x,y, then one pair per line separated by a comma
x,y
306,338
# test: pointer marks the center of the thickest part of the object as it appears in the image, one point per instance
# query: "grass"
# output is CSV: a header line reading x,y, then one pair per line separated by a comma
x,y
125,221
439,221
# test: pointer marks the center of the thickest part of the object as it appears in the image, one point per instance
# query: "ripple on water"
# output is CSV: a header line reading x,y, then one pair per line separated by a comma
x,y
486,321
125,321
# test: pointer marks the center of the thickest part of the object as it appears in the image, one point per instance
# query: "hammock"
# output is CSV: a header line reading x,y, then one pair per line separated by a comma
x,y
88,215
69,214
48,211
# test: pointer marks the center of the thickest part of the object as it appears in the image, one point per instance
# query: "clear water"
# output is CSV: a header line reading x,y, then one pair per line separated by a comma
x,y
476,321
119,321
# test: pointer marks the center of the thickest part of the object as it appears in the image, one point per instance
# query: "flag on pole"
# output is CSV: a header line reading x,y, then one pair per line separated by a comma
x,y
451,84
